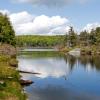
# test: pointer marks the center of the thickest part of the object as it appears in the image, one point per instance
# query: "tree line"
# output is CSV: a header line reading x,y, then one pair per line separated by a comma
x,y
39,41
71,39
85,38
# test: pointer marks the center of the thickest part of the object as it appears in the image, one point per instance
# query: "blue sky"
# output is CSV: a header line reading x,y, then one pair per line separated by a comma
x,y
77,12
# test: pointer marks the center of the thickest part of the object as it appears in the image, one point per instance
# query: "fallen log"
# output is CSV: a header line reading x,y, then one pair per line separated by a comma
x,y
28,72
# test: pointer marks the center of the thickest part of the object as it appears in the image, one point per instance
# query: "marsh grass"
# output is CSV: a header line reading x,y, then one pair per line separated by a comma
x,y
10,89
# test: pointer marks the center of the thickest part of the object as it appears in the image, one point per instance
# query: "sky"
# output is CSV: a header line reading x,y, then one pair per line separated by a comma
x,y
51,17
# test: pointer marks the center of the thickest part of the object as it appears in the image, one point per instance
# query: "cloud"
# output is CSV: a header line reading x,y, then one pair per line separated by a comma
x,y
49,3
91,26
28,24
21,18
37,66
25,23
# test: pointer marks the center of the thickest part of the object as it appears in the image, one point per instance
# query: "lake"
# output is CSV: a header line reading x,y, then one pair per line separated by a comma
x,y
61,77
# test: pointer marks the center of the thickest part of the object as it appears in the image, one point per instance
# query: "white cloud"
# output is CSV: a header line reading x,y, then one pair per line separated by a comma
x,y
60,69
91,26
60,30
28,24
21,17
25,23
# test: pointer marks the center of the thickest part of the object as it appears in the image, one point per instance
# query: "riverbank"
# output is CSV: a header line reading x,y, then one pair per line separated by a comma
x,y
90,50
10,88
86,50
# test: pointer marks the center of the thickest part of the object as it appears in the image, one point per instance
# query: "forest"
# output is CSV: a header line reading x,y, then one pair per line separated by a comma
x,y
39,41
71,39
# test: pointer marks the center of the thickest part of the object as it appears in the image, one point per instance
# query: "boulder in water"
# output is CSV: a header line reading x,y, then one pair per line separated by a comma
x,y
25,82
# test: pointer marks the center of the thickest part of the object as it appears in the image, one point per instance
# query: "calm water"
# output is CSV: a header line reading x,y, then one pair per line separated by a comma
x,y
62,77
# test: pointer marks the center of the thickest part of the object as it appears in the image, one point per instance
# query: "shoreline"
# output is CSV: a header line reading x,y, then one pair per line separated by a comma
x,y
10,87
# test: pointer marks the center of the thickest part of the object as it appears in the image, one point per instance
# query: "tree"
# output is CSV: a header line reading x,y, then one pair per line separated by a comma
x,y
84,35
97,32
7,34
92,37
65,40
72,37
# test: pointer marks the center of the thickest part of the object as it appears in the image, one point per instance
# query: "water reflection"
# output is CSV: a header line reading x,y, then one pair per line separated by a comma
x,y
47,66
58,93
93,61
62,77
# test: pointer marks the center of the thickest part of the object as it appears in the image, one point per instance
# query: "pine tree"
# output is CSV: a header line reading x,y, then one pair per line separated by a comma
x,y
72,37
97,32
7,34
92,37
84,38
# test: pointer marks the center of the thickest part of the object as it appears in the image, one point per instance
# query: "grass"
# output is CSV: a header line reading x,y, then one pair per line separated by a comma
x,y
10,88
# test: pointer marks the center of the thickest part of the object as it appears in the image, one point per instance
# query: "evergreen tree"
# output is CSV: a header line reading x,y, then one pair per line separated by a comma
x,y
7,34
72,37
97,32
84,38
92,37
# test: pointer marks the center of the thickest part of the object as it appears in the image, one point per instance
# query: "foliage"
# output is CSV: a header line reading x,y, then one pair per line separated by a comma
x,y
72,37
92,38
7,34
86,40
39,41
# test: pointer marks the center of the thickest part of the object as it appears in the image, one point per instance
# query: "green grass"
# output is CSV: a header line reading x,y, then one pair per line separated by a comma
x,y
11,88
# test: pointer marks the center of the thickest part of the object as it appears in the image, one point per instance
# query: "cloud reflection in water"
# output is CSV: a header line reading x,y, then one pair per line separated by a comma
x,y
46,66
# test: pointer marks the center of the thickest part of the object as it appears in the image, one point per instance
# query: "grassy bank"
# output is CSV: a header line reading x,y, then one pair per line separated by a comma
x,y
84,50
90,50
10,88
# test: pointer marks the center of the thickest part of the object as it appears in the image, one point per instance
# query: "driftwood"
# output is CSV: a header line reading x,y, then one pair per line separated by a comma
x,y
26,82
28,72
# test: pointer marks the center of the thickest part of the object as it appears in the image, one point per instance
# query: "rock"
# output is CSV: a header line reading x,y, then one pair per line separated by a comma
x,y
13,63
2,82
9,77
25,82
98,53
7,49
